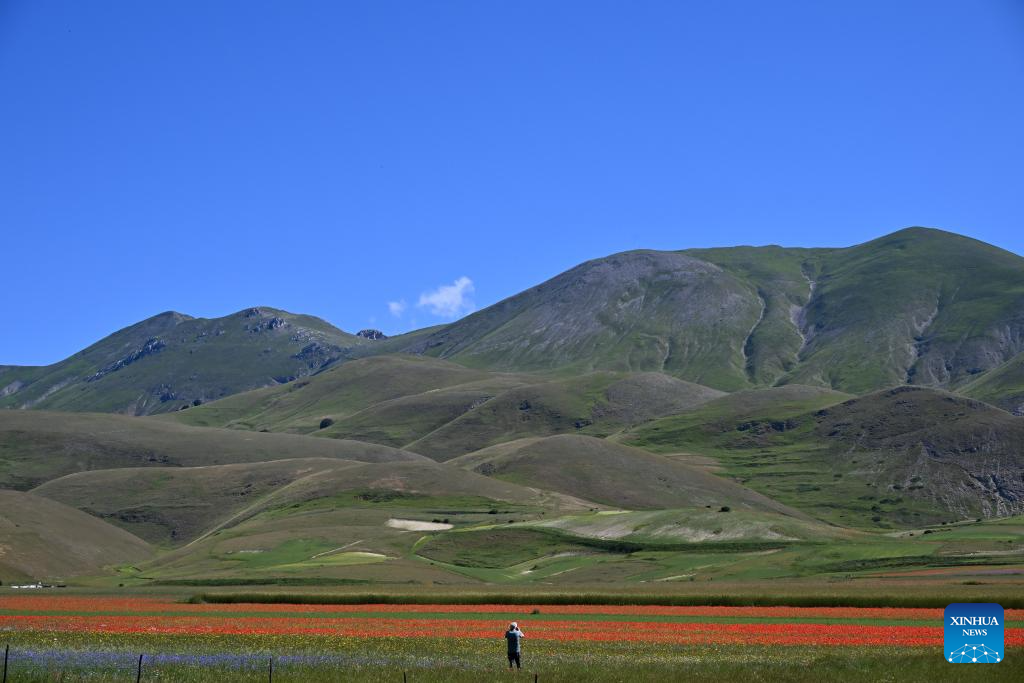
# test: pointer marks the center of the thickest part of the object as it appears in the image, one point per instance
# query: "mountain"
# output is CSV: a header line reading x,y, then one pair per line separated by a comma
x,y
636,311
728,414
919,306
172,361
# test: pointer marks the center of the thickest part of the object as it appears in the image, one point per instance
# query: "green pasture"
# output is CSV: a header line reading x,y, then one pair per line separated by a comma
x,y
110,659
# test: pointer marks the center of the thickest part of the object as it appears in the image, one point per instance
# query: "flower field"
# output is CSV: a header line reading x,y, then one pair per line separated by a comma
x,y
94,636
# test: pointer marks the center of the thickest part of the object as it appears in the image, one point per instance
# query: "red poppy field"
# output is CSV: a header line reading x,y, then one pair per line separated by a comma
x,y
457,635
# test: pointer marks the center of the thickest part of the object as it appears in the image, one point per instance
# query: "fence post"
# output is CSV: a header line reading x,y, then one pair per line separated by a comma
x,y
535,678
404,680
271,669
138,672
7,651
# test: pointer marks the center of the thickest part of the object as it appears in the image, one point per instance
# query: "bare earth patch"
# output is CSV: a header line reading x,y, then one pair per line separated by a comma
x,y
415,525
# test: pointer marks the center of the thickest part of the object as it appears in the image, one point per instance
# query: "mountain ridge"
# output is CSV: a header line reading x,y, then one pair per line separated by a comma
x,y
918,306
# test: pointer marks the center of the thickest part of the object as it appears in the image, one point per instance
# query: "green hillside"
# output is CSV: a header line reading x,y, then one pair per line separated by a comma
x,y
442,409
897,458
1001,386
597,404
175,505
45,540
918,306
611,474
334,393
36,446
742,414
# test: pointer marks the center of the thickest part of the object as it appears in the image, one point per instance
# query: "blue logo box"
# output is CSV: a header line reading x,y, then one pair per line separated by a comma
x,y
973,633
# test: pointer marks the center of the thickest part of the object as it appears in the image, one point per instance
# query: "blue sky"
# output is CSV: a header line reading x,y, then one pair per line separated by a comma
x,y
394,164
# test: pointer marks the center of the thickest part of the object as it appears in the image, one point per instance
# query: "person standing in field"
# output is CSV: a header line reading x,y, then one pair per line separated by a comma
x,y
512,637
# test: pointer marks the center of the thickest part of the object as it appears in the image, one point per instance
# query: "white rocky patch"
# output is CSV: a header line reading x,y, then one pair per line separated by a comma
x,y
415,525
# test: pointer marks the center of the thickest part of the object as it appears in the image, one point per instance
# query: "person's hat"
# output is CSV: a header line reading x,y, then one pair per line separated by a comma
x,y
513,625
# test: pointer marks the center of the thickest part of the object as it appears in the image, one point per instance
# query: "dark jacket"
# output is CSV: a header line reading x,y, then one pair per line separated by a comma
x,y
513,638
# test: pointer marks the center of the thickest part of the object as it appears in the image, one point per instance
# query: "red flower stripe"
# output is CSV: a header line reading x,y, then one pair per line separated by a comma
x,y
130,605
751,634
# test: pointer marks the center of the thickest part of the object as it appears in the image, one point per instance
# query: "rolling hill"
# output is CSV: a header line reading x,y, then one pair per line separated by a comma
x,y
737,413
334,393
611,474
900,457
1001,386
36,446
41,539
175,505
442,409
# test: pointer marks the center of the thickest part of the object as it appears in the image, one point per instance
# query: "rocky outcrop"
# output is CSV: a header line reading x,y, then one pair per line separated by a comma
x,y
371,334
316,355
151,346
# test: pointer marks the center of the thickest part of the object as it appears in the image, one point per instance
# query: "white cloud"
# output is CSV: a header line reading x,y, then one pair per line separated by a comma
x,y
397,308
449,301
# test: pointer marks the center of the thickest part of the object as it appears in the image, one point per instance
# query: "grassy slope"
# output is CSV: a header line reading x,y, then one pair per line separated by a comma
x,y
597,404
401,421
315,538
699,525
334,523
898,458
612,474
334,393
36,446
171,360
697,429
45,540
442,409
175,505
1002,386
919,305
781,278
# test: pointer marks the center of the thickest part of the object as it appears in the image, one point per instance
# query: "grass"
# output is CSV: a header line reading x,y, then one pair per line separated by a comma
x,y
335,393
499,597
853,463
190,659
43,539
504,547
38,446
609,473
1002,386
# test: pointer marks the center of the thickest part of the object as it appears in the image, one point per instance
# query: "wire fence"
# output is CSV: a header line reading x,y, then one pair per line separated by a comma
x,y
135,667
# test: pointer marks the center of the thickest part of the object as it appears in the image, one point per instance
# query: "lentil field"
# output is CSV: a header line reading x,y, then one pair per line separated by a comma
x,y
97,638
